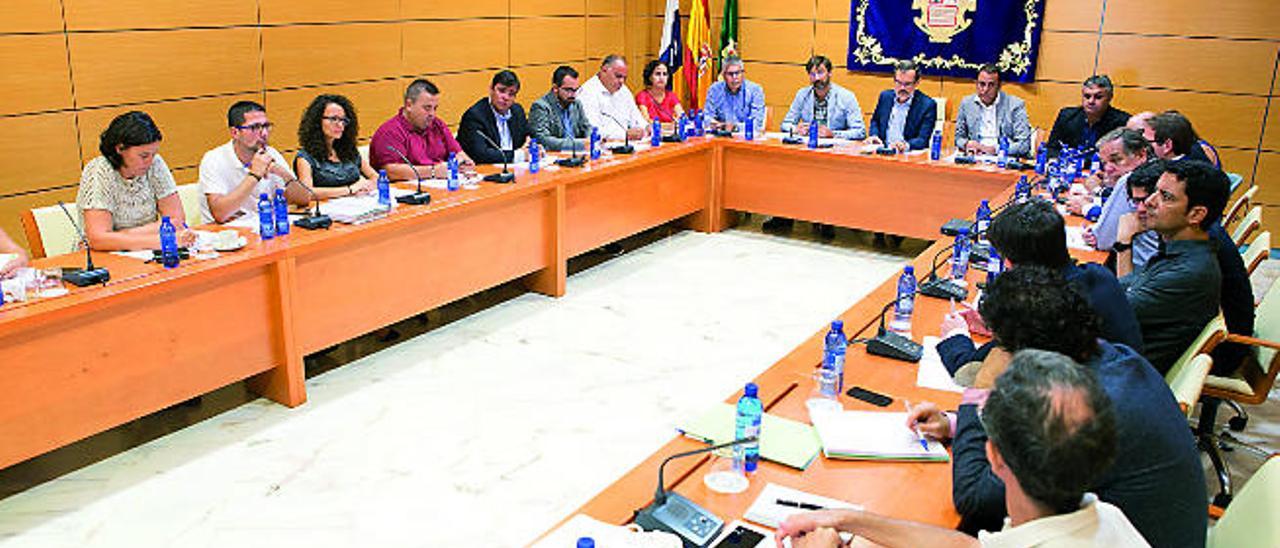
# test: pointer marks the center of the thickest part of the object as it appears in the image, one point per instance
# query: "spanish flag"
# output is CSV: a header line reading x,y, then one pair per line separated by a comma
x,y
699,60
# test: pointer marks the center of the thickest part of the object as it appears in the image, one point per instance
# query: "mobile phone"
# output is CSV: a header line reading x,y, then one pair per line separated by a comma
x,y
874,398
740,537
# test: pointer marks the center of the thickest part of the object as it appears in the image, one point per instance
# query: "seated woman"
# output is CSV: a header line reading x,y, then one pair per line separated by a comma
x,y
655,101
328,161
9,247
125,191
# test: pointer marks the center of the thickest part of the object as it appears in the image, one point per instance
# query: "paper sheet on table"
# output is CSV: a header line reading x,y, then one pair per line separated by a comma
x,y
932,373
874,435
766,511
438,184
1075,238
822,141
6,257
604,535
784,441
145,255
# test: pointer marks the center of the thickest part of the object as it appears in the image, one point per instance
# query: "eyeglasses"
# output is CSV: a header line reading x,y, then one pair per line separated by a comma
x,y
338,119
733,73
257,127
568,89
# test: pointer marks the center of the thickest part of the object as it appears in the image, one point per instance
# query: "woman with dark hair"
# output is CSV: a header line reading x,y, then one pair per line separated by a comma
x,y
125,191
328,161
656,102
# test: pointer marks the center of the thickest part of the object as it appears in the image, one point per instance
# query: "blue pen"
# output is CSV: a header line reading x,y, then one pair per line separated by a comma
x,y
915,427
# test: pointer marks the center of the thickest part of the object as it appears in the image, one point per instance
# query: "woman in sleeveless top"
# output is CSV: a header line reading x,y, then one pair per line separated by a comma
x,y
328,161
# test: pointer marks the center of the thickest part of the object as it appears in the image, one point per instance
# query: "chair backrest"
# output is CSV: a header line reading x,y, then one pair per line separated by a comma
x,y
192,200
1239,206
1250,520
1258,251
1266,325
1235,179
1186,380
364,152
1252,221
49,232
942,113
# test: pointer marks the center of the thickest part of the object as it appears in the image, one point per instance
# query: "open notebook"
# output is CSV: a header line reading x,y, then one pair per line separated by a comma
x,y
873,435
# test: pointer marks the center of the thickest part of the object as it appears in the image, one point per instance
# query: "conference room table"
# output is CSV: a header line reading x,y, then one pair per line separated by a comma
x,y
101,356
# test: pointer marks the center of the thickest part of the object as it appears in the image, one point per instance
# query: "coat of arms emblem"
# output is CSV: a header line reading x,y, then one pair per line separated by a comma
x,y
943,19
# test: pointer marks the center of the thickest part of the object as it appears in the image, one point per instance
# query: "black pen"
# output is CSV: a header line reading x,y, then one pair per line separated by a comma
x,y
800,505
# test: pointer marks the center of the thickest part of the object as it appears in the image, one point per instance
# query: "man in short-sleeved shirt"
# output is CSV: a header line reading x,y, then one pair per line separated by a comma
x,y
234,175
416,133
131,202
609,105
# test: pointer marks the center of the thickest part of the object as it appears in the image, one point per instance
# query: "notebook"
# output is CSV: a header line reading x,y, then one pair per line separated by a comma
x,y
766,510
874,435
784,441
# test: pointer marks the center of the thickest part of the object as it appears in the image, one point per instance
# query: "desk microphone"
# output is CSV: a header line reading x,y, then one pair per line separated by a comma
x,y
418,197
505,176
573,160
678,515
88,275
893,345
793,139
316,220
941,288
626,147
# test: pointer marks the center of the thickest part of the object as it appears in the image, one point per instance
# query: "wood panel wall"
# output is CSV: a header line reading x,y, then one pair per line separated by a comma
x,y
1214,61
72,65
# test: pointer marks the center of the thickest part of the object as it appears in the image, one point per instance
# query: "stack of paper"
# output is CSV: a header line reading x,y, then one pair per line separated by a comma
x,y
783,441
873,435
354,210
766,510
932,373
1075,238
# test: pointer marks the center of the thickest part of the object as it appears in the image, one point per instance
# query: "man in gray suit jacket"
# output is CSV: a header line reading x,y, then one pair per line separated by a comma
x,y
986,116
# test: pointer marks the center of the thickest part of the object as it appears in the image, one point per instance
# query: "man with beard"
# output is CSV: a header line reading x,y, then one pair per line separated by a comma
x,y
1082,126
990,115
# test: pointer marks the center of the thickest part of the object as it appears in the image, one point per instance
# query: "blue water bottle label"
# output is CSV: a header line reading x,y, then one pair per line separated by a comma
x,y
282,213
750,131
266,218
813,135
656,138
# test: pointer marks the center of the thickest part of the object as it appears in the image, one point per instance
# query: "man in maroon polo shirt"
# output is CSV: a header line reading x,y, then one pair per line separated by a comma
x,y
416,133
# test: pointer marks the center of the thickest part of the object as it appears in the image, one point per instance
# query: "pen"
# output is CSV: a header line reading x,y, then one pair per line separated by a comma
x,y
800,505
915,428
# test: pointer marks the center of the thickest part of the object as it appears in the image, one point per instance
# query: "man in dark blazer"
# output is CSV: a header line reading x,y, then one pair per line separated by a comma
x,y
904,116
498,117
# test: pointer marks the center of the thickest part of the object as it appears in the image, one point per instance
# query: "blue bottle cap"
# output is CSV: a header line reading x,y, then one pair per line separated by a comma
x,y
964,231
908,269
586,542
262,196
985,203
751,390
837,325
165,219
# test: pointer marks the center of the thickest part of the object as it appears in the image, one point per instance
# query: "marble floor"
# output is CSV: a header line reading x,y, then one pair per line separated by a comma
x,y
483,426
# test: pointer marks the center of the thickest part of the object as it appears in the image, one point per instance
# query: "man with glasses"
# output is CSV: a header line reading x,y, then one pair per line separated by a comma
x,y
233,175
557,119
991,114
608,103
1081,126
734,99
1179,290
904,116
498,117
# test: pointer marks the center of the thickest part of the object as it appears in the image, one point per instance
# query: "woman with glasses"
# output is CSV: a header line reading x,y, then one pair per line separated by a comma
x,y
125,190
328,160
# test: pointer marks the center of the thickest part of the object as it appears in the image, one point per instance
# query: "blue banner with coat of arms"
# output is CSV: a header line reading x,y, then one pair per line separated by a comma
x,y
947,37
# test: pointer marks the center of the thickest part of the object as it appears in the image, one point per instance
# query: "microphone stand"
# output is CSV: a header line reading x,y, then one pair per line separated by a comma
x,y
941,288
678,515
573,160
626,147
418,197
316,220
89,275
893,345
505,176
793,139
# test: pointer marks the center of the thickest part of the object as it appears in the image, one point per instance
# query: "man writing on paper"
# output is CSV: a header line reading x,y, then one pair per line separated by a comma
x,y
1052,434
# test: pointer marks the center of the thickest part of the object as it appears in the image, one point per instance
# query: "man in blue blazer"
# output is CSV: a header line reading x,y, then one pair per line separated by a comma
x,y
904,116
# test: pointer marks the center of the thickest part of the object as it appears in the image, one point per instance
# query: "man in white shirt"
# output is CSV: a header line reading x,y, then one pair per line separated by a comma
x,y
1052,433
609,105
990,114
233,175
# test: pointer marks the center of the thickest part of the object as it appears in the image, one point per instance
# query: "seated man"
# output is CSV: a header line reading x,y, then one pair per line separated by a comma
x,y
1142,246
1080,127
1122,151
1157,478
1145,122
734,99
235,174
500,118
904,116
1052,434
416,134
990,115
609,105
557,119
1179,290
17,257
833,108
1034,234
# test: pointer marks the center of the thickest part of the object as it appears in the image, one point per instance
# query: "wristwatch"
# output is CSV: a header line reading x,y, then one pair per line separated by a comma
x,y
1121,247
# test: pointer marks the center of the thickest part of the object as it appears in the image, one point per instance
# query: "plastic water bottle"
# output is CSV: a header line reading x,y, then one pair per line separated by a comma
x,y
535,156
813,135
593,143
698,128
384,188
995,265
833,355
168,243
905,304
266,217
282,213
749,129
1042,159
960,255
1003,159
746,457
453,183
935,145
982,220
1022,192
656,138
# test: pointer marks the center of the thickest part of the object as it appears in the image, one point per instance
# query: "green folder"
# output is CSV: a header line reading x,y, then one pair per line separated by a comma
x,y
784,441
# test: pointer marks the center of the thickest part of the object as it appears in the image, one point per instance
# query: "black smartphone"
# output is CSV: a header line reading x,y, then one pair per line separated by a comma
x,y
740,537
874,398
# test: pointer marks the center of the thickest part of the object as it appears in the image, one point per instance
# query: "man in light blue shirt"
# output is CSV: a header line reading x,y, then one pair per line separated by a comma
x,y
834,108
733,100
1123,153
